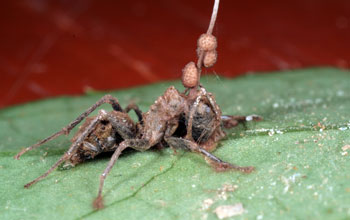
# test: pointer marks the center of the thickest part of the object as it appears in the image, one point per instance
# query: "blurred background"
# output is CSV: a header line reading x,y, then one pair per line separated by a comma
x,y
51,48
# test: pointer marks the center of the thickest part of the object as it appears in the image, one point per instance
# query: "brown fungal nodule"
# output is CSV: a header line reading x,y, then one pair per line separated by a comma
x,y
190,76
207,42
210,58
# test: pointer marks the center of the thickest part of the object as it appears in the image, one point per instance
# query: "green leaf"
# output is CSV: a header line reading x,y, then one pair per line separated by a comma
x,y
302,172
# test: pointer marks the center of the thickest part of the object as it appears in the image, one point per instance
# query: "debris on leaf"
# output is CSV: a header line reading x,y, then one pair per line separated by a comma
x,y
222,192
226,211
207,203
346,147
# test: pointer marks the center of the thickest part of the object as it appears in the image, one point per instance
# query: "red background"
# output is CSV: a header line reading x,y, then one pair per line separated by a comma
x,y
50,48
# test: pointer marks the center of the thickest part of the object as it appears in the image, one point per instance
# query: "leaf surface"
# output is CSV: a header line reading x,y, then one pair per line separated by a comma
x,y
302,169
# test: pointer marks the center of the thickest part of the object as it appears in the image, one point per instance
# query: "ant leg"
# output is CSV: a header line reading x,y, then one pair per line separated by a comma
x,y
137,144
212,102
136,109
65,130
230,121
190,118
74,146
61,160
98,202
172,126
214,161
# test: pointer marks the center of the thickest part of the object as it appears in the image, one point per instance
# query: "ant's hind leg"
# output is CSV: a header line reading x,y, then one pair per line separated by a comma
x,y
230,121
105,99
73,147
215,162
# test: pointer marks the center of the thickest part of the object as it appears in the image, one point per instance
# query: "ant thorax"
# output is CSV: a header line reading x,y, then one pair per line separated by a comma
x,y
165,110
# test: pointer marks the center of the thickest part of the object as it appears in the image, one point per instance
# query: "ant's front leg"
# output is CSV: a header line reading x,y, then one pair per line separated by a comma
x,y
230,121
215,162
65,130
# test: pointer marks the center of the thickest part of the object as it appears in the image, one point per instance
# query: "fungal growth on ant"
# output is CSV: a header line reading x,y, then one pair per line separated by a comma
x,y
191,120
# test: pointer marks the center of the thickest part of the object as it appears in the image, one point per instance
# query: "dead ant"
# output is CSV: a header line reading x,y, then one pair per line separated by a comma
x,y
190,120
